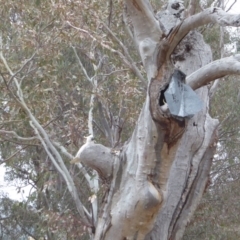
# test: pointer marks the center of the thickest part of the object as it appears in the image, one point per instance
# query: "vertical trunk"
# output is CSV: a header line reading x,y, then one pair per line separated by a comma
x,y
143,170
140,176
140,204
189,173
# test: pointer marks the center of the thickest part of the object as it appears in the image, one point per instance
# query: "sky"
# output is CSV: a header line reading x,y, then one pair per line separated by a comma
x,y
11,190
236,8
231,48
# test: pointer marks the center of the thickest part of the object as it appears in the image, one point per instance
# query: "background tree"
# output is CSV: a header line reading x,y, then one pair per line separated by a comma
x,y
215,217
46,49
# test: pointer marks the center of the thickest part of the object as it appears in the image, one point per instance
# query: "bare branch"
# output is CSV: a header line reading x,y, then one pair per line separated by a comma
x,y
20,143
22,67
209,15
231,5
141,12
13,155
100,41
126,52
215,85
127,24
113,72
62,170
110,3
104,123
63,150
94,181
8,88
81,65
214,70
50,150
90,115
192,7
15,135
123,58
94,84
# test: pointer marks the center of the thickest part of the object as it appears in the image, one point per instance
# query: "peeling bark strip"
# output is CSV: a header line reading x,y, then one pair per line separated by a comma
x,y
135,4
157,180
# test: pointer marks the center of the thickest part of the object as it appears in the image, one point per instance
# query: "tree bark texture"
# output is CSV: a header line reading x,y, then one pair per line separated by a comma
x,y
190,171
157,179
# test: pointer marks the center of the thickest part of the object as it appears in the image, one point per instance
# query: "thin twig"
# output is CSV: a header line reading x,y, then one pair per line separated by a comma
x,y
13,155
126,52
21,68
8,88
80,63
15,135
19,143
50,150
231,6
71,187
125,61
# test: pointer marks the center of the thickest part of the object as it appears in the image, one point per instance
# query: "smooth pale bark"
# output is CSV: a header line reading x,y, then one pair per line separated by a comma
x,y
157,179
214,70
189,173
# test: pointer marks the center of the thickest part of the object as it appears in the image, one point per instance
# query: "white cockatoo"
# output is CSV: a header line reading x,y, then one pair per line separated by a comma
x,y
89,140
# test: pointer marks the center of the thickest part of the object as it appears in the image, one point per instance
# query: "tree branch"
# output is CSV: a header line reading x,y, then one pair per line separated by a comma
x,y
214,70
15,135
81,65
192,7
80,166
104,123
94,184
231,6
20,143
101,42
65,174
147,32
50,149
141,12
126,52
215,85
13,155
22,67
209,15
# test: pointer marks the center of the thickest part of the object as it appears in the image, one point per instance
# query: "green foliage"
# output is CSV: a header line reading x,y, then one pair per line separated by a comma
x,y
217,215
57,92
38,39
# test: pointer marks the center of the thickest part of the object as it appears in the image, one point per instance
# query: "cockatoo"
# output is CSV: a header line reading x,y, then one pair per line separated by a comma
x,y
89,140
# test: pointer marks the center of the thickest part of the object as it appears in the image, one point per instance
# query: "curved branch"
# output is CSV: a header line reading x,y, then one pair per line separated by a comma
x,y
141,12
209,15
214,70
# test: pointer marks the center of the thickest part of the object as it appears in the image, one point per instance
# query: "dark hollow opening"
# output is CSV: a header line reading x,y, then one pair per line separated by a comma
x,y
162,99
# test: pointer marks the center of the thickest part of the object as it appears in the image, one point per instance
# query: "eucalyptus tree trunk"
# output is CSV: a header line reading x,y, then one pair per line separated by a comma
x,y
158,178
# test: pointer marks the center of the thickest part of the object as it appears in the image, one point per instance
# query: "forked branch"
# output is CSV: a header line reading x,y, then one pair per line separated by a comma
x,y
209,15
